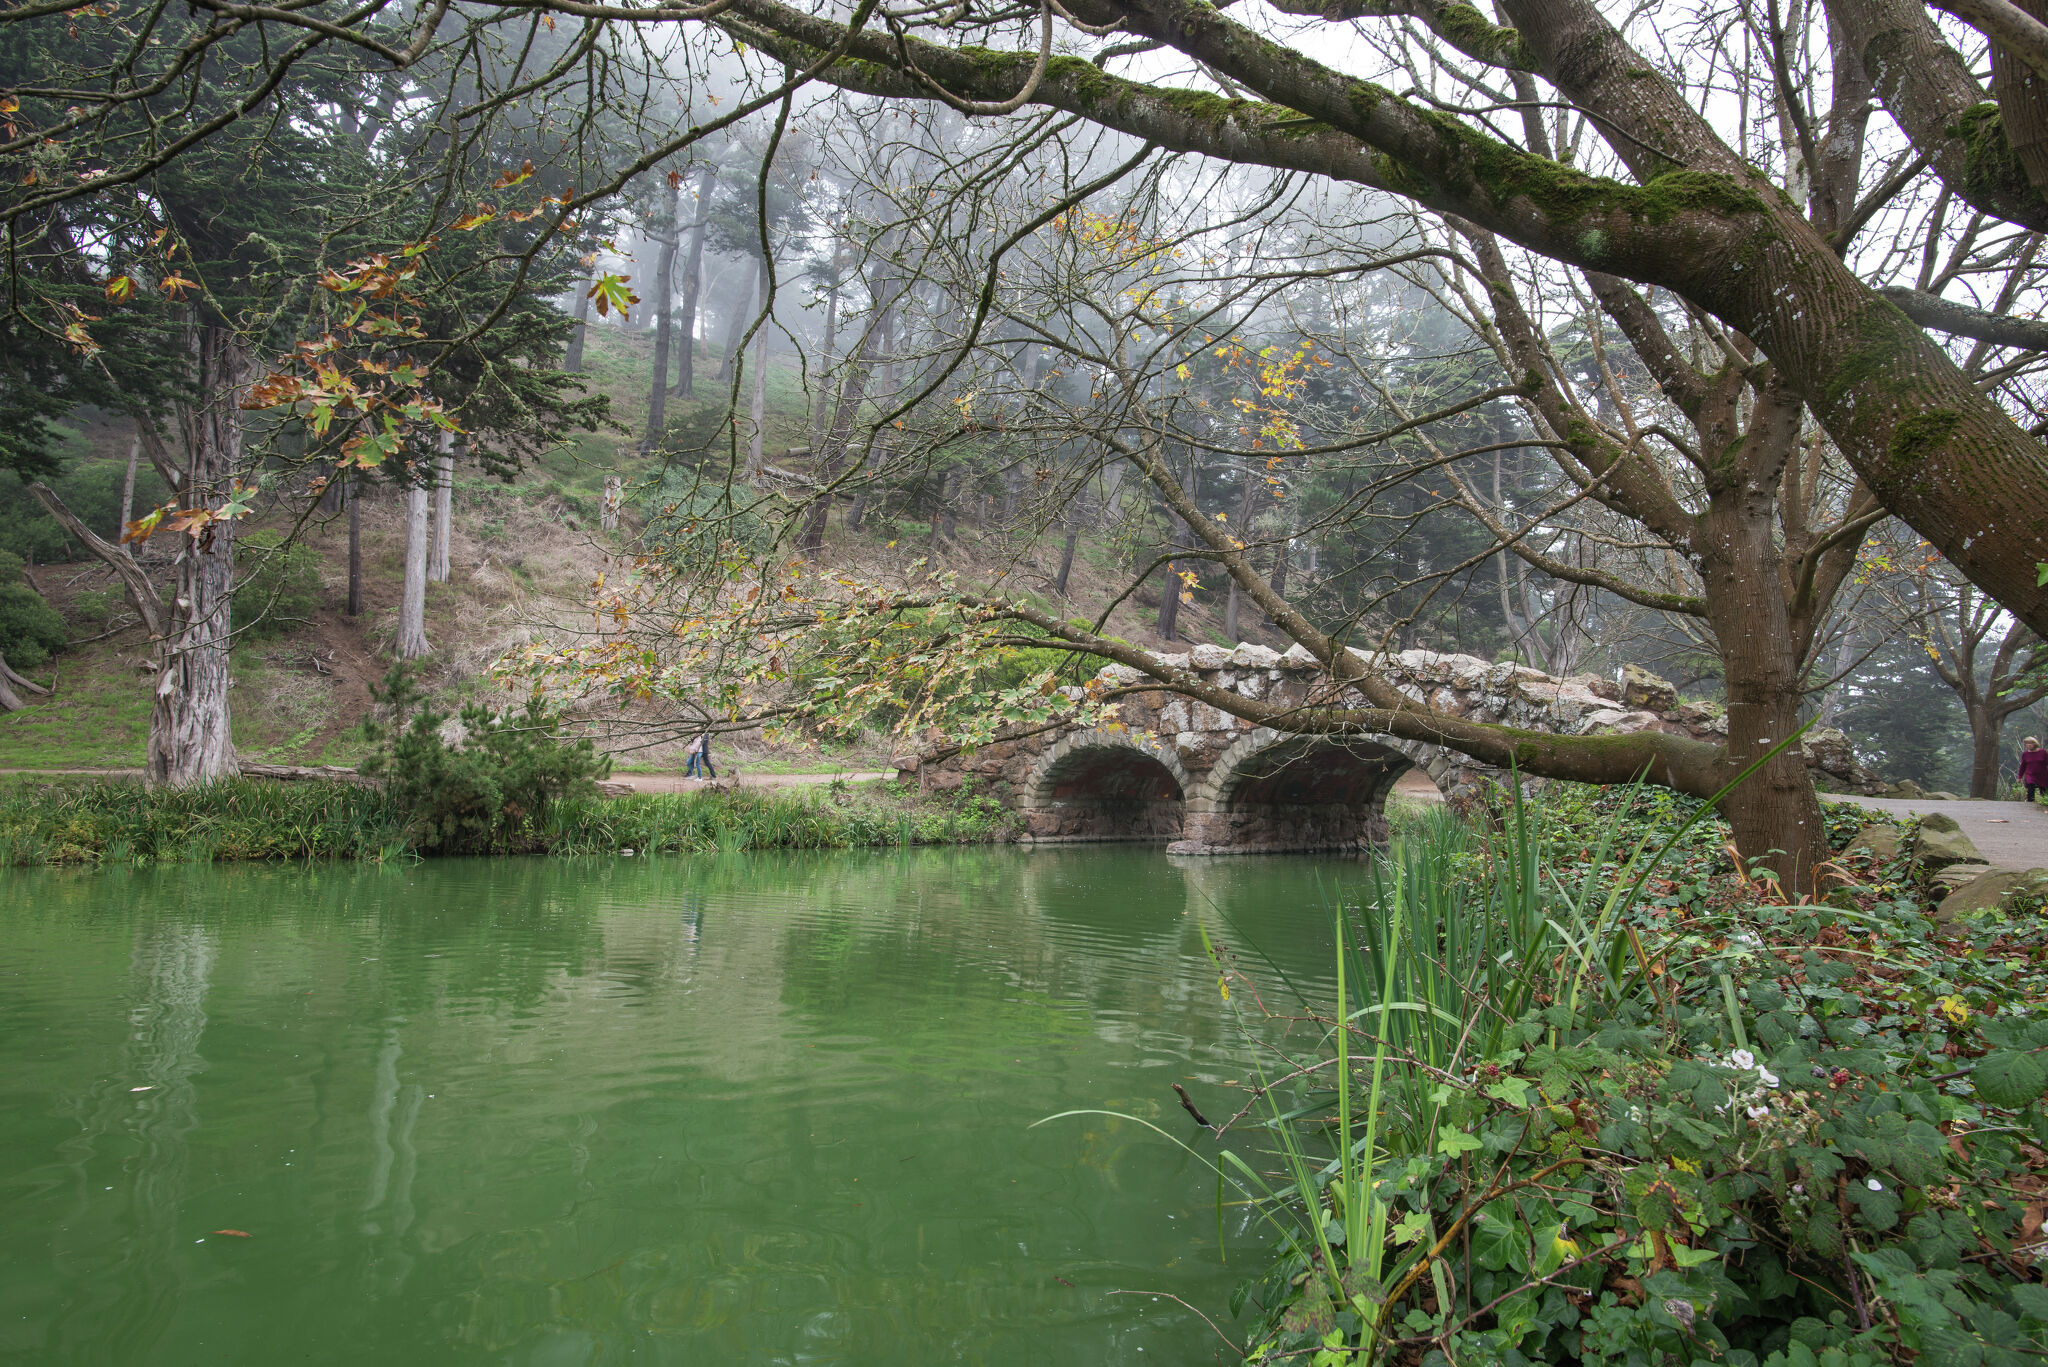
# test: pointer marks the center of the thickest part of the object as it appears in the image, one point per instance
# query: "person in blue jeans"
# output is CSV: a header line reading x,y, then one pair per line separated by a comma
x,y
699,753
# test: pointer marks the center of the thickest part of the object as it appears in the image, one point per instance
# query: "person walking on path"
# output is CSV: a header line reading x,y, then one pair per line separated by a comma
x,y
2033,767
699,753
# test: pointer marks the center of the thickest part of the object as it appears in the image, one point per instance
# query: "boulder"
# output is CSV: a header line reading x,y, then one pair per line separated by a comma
x,y
1941,842
1598,686
1988,893
1945,797
1882,842
1640,689
1297,657
1249,656
1827,748
1956,875
1206,656
1905,787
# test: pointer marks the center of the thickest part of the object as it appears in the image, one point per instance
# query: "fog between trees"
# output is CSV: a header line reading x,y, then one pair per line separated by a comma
x,y
1705,343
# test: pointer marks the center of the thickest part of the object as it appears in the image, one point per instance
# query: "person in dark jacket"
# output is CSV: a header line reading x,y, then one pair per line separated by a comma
x,y
2033,767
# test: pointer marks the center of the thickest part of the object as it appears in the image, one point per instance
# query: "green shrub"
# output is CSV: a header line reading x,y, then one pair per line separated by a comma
x,y
494,791
282,590
30,629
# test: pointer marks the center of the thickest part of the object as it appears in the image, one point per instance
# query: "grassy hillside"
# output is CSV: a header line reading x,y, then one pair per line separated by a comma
x,y
523,557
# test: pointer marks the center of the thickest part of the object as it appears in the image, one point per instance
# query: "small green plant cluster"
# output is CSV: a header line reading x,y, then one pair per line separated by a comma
x,y
1572,1103
282,590
491,792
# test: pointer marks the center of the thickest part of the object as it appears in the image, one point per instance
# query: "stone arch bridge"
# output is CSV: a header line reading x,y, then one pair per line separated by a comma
x,y
1200,781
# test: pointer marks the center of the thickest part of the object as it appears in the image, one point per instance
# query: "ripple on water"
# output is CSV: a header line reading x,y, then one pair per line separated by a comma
x,y
743,1109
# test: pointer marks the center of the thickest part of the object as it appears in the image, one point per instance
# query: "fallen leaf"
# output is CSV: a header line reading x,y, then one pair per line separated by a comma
x,y
233,1233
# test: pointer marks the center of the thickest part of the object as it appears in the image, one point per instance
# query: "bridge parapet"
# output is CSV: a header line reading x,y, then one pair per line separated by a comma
x,y
1180,771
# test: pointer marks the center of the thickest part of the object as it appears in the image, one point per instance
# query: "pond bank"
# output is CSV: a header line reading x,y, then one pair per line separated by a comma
x,y
98,821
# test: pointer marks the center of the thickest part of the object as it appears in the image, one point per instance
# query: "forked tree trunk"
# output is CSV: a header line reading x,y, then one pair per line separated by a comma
x,y
412,601
190,737
444,501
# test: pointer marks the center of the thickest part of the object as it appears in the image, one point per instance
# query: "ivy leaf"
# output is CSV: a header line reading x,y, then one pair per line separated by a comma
x,y
2010,1080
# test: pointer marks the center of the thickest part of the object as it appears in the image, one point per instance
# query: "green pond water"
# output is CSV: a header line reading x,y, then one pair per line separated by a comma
x,y
732,1110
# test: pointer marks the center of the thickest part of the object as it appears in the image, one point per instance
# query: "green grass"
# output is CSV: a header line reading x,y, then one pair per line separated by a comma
x,y
99,718
78,821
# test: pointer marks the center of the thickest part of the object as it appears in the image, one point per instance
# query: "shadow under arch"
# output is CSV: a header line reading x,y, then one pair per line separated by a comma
x,y
1103,785
1270,793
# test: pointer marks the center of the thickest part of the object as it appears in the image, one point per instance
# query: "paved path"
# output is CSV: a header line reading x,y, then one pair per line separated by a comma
x,y
2010,835
676,783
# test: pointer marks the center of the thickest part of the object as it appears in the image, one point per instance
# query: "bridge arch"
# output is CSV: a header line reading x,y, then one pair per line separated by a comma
x,y
1105,784
1270,792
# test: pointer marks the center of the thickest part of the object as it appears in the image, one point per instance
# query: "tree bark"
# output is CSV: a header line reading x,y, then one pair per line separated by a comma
x,y
664,321
191,740
412,600
444,507
743,310
572,359
1059,584
757,408
128,493
9,702
1987,728
693,285
355,545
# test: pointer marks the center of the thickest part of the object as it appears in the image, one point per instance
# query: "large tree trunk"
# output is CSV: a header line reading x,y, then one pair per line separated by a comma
x,y
1775,813
572,361
190,736
1987,728
412,601
664,322
693,286
444,501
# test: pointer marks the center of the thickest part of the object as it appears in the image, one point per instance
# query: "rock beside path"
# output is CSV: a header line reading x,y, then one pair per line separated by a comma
x,y
1987,893
1941,842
